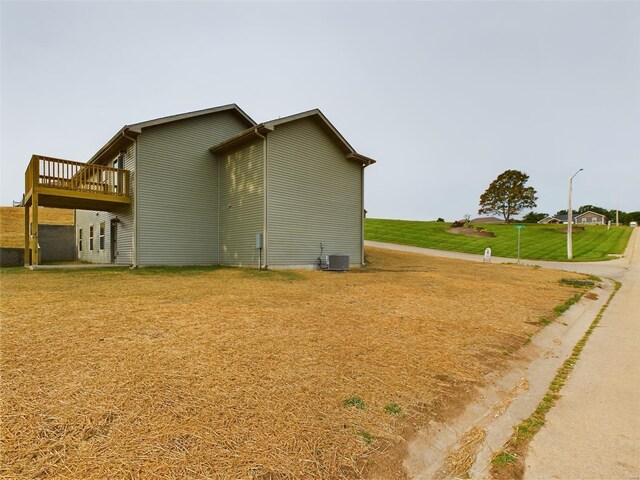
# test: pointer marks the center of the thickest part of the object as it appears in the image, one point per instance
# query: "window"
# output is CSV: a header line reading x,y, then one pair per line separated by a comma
x,y
80,240
594,220
101,233
119,162
583,220
91,237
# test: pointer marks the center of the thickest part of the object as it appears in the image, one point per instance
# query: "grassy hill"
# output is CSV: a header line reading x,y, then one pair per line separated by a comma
x,y
12,223
537,242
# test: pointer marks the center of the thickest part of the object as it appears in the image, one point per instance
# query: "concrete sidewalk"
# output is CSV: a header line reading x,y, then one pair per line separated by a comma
x,y
594,429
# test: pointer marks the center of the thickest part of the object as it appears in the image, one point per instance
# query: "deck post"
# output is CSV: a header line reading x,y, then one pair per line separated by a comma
x,y
35,251
27,246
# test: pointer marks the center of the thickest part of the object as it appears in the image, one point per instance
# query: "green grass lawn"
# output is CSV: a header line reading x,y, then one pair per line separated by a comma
x,y
537,242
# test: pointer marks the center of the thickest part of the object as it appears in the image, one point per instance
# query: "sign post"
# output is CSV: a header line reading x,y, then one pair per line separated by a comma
x,y
519,227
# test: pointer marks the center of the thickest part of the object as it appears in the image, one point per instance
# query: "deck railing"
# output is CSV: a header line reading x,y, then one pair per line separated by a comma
x,y
75,176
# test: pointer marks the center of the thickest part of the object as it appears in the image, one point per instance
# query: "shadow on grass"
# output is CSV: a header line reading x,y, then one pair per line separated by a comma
x,y
282,275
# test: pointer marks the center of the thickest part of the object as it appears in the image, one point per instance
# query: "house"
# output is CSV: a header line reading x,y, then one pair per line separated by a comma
x,y
555,219
589,217
210,187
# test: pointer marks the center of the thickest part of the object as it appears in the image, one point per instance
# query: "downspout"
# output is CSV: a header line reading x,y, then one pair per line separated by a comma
x,y
75,228
265,240
362,215
135,199
218,212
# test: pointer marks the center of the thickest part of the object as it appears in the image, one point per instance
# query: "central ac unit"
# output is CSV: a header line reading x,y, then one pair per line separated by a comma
x,y
338,262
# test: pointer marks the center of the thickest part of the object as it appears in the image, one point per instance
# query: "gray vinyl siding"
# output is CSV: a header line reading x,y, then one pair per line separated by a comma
x,y
241,204
177,189
125,213
313,195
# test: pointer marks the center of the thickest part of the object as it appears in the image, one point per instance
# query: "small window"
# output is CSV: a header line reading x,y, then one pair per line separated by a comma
x,y
584,220
101,236
80,240
91,237
594,220
119,162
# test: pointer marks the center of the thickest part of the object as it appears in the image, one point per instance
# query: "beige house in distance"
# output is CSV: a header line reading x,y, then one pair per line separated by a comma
x,y
212,187
590,218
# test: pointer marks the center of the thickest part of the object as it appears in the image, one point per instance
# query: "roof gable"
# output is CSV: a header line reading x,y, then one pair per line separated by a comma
x,y
560,218
324,121
266,127
127,134
137,127
592,213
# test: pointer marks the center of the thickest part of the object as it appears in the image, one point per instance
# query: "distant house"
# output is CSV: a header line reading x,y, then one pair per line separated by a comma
x,y
487,220
591,218
554,219
210,187
586,218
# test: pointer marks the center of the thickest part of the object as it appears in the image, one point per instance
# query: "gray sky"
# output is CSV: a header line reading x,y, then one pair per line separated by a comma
x,y
445,95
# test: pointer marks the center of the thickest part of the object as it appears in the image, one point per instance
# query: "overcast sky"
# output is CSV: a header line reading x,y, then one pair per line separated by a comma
x,y
445,95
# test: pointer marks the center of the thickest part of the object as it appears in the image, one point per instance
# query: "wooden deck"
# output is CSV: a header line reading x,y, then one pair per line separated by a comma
x,y
54,182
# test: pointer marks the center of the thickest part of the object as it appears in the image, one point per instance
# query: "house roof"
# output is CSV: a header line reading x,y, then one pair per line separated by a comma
x,y
268,127
591,212
129,132
560,218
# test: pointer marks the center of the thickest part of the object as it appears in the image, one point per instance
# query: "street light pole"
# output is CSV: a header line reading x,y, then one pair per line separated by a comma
x,y
570,219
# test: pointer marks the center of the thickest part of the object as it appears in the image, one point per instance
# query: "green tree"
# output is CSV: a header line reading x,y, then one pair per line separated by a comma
x,y
508,195
534,217
629,217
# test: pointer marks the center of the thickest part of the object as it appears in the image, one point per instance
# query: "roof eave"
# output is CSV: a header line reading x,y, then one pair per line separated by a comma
x,y
196,113
258,131
356,157
123,138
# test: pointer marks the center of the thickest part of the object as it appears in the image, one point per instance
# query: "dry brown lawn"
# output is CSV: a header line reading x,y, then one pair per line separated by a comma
x,y
231,373
12,223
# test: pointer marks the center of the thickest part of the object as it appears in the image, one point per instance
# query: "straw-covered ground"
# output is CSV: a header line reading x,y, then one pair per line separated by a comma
x,y
12,223
231,373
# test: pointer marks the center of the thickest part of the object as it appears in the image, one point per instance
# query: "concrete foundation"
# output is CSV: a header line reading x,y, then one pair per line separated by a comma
x,y
57,244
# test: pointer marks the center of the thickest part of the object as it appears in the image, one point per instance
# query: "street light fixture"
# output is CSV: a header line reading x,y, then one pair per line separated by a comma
x,y
570,219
